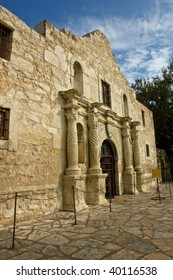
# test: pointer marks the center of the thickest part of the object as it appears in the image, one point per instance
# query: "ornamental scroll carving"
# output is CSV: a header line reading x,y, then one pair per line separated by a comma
x,y
72,143
72,129
92,123
93,143
136,149
127,146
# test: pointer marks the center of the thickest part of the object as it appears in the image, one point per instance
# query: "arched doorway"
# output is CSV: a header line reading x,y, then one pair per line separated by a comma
x,y
108,166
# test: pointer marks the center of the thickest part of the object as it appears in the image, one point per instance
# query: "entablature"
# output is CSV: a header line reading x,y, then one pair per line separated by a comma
x,y
74,100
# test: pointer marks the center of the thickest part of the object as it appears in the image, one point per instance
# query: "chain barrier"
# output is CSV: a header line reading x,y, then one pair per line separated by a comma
x,y
15,209
74,191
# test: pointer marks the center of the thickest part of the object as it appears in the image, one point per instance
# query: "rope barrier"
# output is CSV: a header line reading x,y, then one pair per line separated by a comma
x,y
100,191
25,197
2,201
74,192
58,196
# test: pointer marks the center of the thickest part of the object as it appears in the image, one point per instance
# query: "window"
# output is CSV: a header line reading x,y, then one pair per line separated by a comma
x,y
143,117
5,42
147,150
106,94
4,123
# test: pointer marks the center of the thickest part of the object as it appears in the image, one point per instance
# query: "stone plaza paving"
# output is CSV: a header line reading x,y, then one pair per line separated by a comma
x,y
136,228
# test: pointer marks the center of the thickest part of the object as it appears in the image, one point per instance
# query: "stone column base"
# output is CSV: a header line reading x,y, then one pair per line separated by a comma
x,y
129,183
77,181
72,171
96,188
94,170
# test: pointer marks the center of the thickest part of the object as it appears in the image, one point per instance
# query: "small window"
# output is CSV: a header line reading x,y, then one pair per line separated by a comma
x,y
5,42
147,150
4,123
143,117
106,94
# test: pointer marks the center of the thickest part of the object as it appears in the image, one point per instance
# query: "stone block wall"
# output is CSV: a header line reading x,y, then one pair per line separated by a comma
x,y
42,65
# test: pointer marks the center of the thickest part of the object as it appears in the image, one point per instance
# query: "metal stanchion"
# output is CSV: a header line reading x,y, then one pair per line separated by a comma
x,y
170,189
74,203
134,184
14,221
157,195
170,180
110,200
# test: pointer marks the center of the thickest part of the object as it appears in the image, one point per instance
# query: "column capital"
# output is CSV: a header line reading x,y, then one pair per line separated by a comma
x,y
126,120
92,120
71,115
135,129
126,130
134,124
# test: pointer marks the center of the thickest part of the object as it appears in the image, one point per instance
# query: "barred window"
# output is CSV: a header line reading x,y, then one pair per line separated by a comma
x,y
4,123
5,42
106,94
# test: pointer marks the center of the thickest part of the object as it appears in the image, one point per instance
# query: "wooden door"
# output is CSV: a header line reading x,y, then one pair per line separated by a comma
x,y
108,166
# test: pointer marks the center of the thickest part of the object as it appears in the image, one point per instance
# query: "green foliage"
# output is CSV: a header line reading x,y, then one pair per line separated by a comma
x,y
157,94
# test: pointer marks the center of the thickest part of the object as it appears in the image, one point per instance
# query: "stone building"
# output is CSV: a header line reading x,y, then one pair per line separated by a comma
x,y
68,118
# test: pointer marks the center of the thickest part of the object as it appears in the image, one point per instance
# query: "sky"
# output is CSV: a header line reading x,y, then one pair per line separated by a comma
x,y
140,32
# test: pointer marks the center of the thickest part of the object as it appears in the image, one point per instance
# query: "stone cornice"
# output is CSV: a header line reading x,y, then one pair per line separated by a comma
x,y
73,99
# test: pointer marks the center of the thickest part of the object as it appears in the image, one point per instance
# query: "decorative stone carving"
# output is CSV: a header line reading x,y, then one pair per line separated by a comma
x,y
136,151
72,143
108,130
127,147
93,143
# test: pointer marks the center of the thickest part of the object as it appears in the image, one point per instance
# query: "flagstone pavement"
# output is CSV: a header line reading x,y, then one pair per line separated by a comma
x,y
136,228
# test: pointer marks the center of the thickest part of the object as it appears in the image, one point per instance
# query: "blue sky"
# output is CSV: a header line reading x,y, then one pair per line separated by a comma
x,y
140,32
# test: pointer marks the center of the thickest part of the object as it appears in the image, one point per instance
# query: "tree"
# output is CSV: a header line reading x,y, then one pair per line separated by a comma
x,y
157,94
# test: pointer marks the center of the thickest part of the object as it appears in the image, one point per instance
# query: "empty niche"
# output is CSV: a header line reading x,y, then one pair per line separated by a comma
x,y
78,77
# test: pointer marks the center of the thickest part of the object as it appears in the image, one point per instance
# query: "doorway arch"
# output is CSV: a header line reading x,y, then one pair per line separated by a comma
x,y
108,166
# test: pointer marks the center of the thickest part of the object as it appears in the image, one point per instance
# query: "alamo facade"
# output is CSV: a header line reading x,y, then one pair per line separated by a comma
x,y
68,118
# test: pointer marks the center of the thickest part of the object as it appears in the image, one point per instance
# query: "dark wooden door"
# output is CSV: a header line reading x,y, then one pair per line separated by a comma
x,y
107,165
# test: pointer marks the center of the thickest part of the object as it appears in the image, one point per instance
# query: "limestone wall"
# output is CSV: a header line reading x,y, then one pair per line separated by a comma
x,y
41,65
33,157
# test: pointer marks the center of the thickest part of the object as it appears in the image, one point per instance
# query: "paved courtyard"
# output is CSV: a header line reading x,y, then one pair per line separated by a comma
x,y
138,227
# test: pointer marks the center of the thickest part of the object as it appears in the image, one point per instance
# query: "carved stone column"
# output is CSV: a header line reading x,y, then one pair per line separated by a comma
x,y
72,143
129,176
127,146
93,143
95,179
136,156
136,151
